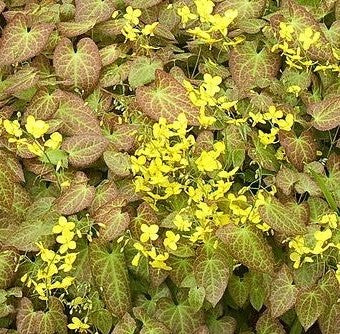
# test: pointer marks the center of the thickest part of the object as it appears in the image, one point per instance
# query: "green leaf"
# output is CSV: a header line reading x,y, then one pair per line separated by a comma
x,y
180,318
252,68
166,98
77,197
114,74
211,270
221,325
258,288
101,319
196,298
248,246
268,325
118,163
274,213
326,113
110,54
80,68
8,262
300,150
309,306
285,180
329,285
20,41
77,117
83,150
126,325
99,10
283,293
111,277
238,289
142,71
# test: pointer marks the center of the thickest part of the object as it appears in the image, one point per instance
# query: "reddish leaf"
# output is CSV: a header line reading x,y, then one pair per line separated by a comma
x,y
118,163
299,150
326,114
79,68
142,3
99,10
8,262
77,117
73,29
252,68
83,150
43,105
283,293
166,98
20,42
78,197
267,325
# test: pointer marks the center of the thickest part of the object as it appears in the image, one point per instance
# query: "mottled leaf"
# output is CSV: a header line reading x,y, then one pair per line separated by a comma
x,y
8,262
309,306
73,29
248,246
283,293
79,68
126,325
267,325
252,68
329,321
326,114
83,150
20,42
275,215
43,105
99,10
142,3
166,98
118,163
111,277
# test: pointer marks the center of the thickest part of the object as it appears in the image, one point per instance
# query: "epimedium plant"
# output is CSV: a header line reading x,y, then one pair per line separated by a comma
x,y
169,166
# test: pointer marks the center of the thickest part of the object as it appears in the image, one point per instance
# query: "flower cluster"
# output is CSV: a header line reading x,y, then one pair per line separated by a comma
x,y
208,28
51,275
306,248
131,29
277,121
294,47
32,136
166,166
208,98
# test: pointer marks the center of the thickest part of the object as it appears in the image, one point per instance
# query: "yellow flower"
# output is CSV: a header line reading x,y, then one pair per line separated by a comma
x,y
149,29
35,148
68,262
287,123
204,9
66,241
130,32
78,325
159,260
273,114
296,258
55,141
207,161
185,14
206,121
132,15
268,138
294,89
323,235
12,128
221,22
181,223
149,232
257,118
211,84
62,225
308,37
137,163
204,36
286,31
37,128
330,219
171,240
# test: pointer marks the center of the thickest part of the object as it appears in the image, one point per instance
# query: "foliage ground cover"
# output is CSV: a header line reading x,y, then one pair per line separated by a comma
x,y
169,166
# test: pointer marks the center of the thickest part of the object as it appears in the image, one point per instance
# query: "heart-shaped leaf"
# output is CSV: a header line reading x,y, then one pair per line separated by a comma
x,y
166,98
20,41
275,215
248,246
326,114
83,150
329,321
251,68
8,262
43,105
78,68
300,150
267,325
